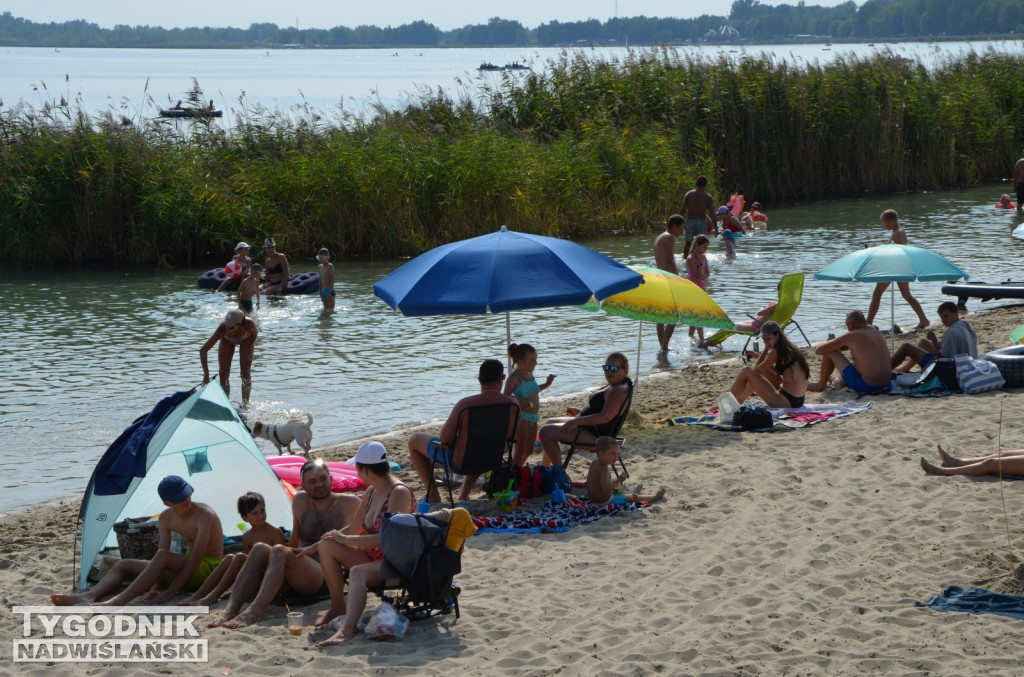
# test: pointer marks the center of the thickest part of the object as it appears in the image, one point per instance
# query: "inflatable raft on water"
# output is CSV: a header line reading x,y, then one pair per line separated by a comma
x,y
983,291
298,283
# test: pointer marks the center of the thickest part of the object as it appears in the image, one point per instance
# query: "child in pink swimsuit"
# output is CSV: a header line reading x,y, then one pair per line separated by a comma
x,y
698,271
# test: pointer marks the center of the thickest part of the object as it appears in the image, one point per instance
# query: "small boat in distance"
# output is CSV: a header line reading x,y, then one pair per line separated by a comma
x,y
190,113
516,66
488,66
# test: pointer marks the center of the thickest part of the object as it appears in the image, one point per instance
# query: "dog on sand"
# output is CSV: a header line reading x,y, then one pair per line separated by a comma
x,y
283,434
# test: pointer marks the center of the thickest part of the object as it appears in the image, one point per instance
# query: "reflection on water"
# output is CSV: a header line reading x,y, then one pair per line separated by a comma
x,y
87,352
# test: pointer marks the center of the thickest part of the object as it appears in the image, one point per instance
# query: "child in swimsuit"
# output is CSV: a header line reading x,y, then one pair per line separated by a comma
x,y
249,289
522,386
697,271
601,488
326,270
730,226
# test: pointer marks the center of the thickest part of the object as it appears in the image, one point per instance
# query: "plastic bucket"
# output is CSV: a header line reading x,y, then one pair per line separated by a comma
x,y
727,406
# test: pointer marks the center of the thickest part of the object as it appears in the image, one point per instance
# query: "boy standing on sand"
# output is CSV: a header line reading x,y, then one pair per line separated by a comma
x,y
197,523
326,271
890,219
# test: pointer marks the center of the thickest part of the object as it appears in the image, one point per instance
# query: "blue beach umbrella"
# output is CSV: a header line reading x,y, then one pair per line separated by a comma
x,y
501,272
892,263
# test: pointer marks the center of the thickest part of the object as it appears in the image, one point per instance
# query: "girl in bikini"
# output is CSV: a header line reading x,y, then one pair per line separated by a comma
x,y
697,272
356,548
780,374
235,330
522,386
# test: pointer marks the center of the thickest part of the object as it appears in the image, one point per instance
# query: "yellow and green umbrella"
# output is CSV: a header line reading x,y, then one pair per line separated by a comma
x,y
664,298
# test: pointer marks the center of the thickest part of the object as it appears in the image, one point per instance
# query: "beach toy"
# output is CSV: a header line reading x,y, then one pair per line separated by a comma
x,y
233,269
558,495
423,506
504,501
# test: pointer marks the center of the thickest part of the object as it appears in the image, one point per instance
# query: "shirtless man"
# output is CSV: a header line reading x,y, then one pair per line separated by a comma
x,y
423,447
868,370
1018,182
665,259
198,525
698,206
269,569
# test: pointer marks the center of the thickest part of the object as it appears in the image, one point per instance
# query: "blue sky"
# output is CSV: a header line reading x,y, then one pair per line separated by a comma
x,y
444,14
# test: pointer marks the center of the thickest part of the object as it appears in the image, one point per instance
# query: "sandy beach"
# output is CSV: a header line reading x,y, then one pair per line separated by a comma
x,y
783,553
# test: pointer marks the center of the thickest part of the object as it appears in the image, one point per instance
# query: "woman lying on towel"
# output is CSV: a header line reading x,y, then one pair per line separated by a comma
x,y
356,548
780,374
1009,462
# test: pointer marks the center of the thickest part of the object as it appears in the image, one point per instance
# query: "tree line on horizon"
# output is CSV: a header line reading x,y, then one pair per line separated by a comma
x,y
874,19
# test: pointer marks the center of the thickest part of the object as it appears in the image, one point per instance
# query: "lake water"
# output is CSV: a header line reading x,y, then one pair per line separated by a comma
x,y
140,81
86,352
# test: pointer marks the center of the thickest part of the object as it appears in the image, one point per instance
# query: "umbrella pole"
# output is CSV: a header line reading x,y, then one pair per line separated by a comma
x,y
508,339
892,317
636,385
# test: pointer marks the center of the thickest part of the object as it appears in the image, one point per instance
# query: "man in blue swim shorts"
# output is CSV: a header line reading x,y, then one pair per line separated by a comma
x,y
445,448
867,370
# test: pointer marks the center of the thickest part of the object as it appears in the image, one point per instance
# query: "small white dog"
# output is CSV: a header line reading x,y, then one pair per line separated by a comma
x,y
283,434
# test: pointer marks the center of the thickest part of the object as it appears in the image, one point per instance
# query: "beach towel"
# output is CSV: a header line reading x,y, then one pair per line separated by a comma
x,y
782,419
977,601
551,518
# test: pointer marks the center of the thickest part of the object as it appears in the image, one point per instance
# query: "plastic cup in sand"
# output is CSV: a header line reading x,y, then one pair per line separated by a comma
x,y
295,623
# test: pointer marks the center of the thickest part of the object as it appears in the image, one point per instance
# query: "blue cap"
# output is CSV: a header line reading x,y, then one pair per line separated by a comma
x,y
173,489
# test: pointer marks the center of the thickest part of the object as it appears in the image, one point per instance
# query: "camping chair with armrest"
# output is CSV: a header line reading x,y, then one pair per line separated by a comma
x,y
616,427
791,291
489,431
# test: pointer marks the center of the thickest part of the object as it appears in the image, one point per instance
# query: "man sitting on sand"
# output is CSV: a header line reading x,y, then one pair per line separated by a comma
x,y
959,339
198,525
867,370
423,448
269,569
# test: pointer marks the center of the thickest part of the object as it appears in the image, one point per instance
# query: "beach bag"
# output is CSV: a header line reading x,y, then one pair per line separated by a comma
x,y
940,373
554,476
431,579
977,375
498,479
752,417
138,537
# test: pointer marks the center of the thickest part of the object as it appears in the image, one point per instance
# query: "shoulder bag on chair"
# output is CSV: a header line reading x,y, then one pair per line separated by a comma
x,y
977,375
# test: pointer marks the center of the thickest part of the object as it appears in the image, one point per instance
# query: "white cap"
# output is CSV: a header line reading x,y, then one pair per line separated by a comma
x,y
370,453
234,316
242,245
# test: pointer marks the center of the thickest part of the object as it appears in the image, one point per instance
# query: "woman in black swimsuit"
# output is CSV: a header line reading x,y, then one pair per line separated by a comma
x,y
235,330
356,548
275,269
595,419
780,374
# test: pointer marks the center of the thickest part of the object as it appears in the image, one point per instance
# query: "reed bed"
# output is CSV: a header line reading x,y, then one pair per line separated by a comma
x,y
581,147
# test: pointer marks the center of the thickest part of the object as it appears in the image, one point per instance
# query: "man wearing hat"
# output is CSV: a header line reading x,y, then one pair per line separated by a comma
x,y
198,525
269,570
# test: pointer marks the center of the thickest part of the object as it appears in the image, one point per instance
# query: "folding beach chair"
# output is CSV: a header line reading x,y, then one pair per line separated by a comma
x,y
616,427
489,431
791,291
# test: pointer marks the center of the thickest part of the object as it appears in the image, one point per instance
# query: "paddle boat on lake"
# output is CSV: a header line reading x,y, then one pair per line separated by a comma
x,y
190,113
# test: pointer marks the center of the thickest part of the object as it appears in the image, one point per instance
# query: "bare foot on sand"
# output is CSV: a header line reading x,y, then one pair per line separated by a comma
x,y
659,494
225,617
240,621
930,468
947,460
819,387
328,616
923,324
337,638
69,600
